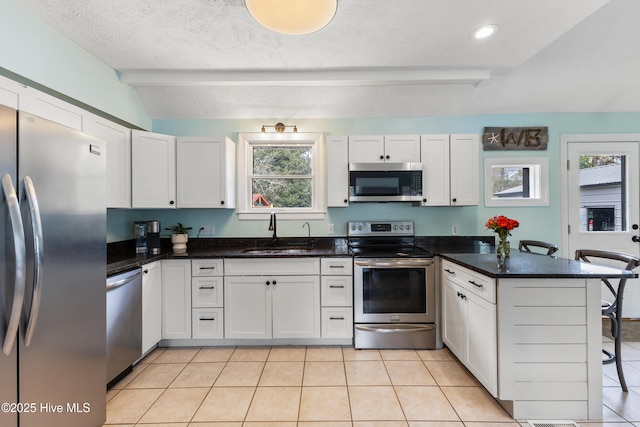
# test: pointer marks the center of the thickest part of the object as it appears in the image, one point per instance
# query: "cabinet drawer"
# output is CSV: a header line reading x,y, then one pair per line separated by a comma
x,y
207,267
337,322
336,291
267,266
336,266
483,286
207,292
207,323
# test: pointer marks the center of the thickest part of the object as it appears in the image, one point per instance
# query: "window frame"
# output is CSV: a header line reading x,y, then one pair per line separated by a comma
x,y
540,163
246,142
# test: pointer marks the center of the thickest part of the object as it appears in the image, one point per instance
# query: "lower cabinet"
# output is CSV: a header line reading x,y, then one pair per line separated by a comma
x,y
176,299
207,298
151,305
263,302
469,322
337,297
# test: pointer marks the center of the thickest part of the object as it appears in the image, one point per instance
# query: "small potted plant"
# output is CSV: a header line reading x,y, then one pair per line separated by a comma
x,y
179,237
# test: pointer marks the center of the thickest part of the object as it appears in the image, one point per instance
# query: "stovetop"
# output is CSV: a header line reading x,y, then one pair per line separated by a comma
x,y
384,239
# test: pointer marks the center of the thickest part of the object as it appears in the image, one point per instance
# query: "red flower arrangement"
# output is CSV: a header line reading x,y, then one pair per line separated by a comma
x,y
502,225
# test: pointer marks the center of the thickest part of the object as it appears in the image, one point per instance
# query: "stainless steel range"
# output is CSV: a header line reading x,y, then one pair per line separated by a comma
x,y
394,287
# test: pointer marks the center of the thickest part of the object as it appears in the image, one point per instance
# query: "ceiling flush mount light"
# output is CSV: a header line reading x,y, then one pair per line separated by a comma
x,y
280,127
292,17
485,31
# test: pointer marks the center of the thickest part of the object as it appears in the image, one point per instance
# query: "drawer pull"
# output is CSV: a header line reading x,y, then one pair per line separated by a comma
x,y
207,268
336,266
209,319
337,286
476,284
207,287
336,318
450,271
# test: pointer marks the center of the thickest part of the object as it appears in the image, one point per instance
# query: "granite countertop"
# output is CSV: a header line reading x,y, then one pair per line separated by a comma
x,y
120,258
529,265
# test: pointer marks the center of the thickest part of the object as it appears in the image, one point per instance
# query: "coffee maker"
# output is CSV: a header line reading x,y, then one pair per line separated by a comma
x,y
147,235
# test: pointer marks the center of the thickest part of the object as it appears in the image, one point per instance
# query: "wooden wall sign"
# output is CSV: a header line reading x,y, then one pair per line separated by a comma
x,y
521,138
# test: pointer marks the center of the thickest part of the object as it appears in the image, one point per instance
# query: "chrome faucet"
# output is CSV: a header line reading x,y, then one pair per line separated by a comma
x,y
272,227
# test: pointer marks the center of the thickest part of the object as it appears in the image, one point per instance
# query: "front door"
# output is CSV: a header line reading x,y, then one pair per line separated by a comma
x,y
603,200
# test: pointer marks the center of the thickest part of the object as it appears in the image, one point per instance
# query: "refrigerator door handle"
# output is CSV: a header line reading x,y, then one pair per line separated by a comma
x,y
36,225
21,263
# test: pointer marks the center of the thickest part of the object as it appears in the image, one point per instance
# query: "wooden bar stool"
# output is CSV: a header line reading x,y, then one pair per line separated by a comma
x,y
612,309
527,245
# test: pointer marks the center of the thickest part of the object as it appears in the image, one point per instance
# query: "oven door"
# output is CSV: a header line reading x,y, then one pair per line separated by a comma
x,y
394,290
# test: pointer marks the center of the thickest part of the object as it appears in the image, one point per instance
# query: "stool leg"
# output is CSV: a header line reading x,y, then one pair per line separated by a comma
x,y
618,343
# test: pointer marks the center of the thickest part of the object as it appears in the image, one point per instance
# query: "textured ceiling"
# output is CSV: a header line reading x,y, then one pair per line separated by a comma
x,y
549,55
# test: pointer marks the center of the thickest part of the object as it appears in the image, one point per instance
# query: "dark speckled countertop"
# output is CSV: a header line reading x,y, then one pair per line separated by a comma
x,y
527,265
121,256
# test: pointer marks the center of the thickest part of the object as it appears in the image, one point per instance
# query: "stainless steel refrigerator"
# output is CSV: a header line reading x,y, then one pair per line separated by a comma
x,y
52,274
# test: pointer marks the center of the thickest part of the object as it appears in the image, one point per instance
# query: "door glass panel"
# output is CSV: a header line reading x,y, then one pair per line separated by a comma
x,y
394,290
603,193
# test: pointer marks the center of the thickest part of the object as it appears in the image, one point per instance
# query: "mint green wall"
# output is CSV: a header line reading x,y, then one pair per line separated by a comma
x,y
36,52
536,222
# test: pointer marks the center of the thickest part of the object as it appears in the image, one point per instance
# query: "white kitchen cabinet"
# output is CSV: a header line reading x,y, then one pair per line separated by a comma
x,y
51,108
151,305
337,297
207,298
206,172
153,164
450,171
469,327
264,300
337,171
10,92
118,152
464,169
176,299
384,148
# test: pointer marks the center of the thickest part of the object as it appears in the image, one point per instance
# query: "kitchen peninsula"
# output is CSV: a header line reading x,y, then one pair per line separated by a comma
x,y
531,335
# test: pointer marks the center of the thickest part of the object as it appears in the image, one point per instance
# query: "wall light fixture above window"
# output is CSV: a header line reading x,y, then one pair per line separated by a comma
x,y
293,17
279,127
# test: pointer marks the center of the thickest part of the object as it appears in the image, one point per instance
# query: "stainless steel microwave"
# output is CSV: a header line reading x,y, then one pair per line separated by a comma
x,y
385,182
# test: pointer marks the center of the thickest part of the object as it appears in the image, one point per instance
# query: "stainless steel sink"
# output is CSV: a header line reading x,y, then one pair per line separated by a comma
x,y
277,250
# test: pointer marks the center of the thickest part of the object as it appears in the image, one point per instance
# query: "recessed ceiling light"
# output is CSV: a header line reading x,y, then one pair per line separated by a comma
x,y
485,31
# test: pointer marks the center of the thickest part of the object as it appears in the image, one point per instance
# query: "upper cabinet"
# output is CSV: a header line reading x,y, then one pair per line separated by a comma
x,y
51,108
206,173
118,144
464,169
338,171
450,170
387,148
10,92
153,160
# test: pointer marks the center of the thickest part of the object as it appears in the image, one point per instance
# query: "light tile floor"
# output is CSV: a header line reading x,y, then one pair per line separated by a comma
x,y
328,387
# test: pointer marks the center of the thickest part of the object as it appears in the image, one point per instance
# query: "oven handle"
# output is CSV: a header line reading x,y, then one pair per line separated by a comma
x,y
387,329
404,263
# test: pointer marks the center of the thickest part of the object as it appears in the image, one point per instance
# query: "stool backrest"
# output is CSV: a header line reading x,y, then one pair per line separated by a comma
x,y
527,245
591,255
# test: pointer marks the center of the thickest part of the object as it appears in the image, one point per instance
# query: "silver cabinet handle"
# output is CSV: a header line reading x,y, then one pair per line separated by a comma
x,y
38,255
20,254
392,329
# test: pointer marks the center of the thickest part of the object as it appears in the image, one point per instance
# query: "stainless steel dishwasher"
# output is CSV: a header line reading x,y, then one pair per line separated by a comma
x,y
124,323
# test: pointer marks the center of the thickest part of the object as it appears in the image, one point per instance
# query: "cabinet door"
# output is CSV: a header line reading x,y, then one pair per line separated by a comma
x,y
203,173
176,299
454,318
118,140
366,148
337,172
465,178
481,342
435,170
151,305
153,163
247,307
402,148
296,306
51,108
10,92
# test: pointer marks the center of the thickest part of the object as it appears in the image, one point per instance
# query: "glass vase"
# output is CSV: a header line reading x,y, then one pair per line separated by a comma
x,y
503,251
